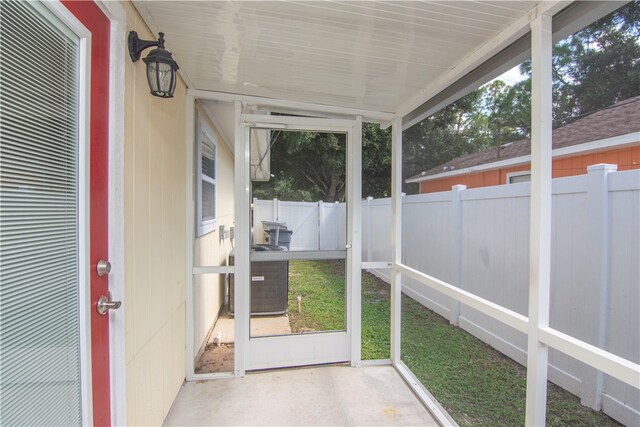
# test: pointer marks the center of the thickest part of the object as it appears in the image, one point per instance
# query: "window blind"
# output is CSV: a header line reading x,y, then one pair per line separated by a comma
x,y
39,304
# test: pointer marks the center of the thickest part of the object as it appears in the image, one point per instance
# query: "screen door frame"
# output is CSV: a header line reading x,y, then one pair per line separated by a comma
x,y
254,353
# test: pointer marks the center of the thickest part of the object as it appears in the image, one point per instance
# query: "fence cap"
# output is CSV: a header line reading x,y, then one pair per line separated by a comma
x,y
602,167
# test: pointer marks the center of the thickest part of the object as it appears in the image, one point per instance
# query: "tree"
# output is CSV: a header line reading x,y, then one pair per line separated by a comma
x,y
376,161
597,66
306,166
459,128
509,108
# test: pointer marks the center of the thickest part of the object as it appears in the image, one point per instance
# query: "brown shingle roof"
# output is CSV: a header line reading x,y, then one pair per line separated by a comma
x,y
619,119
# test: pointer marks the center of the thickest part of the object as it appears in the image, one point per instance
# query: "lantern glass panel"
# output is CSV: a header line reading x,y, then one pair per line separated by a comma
x,y
161,78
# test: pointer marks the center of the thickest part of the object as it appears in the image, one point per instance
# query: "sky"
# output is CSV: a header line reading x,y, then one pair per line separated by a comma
x,y
512,76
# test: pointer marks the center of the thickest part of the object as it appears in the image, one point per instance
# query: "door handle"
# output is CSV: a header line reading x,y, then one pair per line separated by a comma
x,y
105,304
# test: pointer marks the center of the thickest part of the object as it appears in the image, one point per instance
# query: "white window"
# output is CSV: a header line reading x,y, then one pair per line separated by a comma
x,y
207,168
515,177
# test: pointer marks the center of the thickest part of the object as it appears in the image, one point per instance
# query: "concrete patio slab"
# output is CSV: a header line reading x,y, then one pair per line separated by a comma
x,y
331,395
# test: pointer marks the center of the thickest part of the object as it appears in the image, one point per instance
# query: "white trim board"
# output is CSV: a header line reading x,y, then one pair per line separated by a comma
x,y
115,12
620,141
371,116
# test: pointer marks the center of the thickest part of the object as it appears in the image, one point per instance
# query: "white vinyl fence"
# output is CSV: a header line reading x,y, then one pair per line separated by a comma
x,y
478,239
315,226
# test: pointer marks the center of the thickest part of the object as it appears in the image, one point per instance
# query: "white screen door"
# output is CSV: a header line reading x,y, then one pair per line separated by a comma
x,y
282,279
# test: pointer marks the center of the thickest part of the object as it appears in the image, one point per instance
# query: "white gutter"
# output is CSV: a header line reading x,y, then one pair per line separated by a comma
x,y
585,148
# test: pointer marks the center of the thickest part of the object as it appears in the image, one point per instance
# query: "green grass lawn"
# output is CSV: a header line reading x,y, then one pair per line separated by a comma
x,y
475,383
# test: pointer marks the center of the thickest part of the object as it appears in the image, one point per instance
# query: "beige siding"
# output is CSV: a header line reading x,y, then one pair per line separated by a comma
x,y
154,225
210,249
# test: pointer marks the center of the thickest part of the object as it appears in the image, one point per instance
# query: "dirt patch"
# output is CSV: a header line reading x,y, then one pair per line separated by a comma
x,y
215,359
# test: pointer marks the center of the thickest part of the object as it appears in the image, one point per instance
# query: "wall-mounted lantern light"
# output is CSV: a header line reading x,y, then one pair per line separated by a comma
x,y
161,68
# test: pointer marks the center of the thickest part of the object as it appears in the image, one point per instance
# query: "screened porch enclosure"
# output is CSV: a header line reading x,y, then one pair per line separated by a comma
x,y
333,66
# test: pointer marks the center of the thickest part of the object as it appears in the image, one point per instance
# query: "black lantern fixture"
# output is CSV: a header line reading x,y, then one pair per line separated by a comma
x,y
161,68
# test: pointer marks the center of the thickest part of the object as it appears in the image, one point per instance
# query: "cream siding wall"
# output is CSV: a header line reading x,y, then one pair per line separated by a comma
x,y
210,249
154,222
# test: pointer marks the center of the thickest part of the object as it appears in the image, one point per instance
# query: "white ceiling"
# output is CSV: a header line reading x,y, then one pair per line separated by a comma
x,y
366,55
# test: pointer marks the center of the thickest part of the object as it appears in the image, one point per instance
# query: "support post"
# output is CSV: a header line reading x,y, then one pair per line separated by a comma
x,y
369,231
598,259
242,227
354,236
540,228
456,205
190,237
396,239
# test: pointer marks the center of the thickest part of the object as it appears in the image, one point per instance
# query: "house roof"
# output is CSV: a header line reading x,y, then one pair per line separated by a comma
x,y
622,118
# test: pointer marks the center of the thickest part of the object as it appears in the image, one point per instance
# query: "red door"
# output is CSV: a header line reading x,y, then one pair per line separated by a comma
x,y
99,25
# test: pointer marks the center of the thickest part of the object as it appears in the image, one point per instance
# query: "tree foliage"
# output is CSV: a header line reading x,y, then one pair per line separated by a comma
x,y
598,65
307,166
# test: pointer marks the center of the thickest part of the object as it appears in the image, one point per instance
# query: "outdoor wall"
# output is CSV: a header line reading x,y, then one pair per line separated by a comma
x,y
154,224
626,158
212,249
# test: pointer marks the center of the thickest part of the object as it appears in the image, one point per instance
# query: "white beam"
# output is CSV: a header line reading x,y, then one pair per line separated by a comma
x,y
265,120
221,269
616,366
242,226
189,235
431,403
496,311
396,238
540,228
376,265
354,236
367,115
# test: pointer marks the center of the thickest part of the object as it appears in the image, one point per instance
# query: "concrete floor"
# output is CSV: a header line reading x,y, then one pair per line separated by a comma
x,y
331,395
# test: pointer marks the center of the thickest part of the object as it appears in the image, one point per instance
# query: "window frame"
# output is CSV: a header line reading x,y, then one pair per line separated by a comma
x,y
205,133
516,174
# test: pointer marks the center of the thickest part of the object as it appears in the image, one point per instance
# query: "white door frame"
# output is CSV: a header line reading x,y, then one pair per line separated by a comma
x,y
117,356
74,25
296,350
116,14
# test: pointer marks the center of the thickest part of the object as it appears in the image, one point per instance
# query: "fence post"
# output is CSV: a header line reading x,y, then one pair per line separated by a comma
x,y
336,210
369,235
456,205
320,221
598,258
275,209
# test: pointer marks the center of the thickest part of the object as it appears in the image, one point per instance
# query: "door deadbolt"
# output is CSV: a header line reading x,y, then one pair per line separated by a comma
x,y
105,304
103,267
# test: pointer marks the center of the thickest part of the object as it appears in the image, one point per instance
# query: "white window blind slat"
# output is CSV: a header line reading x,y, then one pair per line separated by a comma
x,y
39,285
